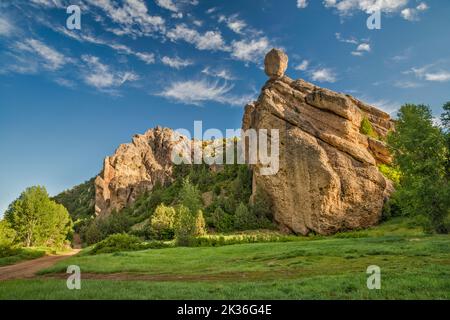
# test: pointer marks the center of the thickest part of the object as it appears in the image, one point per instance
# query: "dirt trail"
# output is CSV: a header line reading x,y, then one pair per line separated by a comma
x,y
28,269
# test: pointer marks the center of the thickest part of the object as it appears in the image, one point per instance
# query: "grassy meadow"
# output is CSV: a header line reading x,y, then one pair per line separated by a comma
x,y
413,265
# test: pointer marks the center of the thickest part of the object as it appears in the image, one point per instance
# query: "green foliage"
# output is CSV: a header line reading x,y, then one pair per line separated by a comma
x,y
390,172
7,235
79,201
366,128
12,255
101,227
185,226
200,225
38,220
244,219
222,221
163,221
116,243
420,152
190,196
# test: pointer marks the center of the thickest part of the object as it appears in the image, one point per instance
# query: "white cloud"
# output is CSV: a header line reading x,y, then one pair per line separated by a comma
x,y
102,76
210,40
167,4
301,4
346,7
48,3
361,49
219,73
197,92
441,76
250,50
234,23
412,14
131,15
51,58
6,27
433,75
303,66
364,47
341,39
176,62
323,75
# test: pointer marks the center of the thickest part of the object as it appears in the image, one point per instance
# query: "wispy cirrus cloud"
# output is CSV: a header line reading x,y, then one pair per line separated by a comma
x,y
49,58
431,72
197,92
210,40
131,17
176,62
362,46
102,76
6,26
218,73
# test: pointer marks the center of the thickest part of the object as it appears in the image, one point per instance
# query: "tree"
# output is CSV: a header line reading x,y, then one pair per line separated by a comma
x,y
7,234
190,196
200,225
184,226
243,218
38,220
162,221
420,152
445,120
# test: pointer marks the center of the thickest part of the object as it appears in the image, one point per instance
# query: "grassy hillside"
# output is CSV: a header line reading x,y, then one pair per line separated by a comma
x,y
413,265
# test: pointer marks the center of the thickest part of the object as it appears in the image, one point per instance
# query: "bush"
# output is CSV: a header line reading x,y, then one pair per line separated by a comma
x,y
391,173
244,219
7,235
118,242
184,226
162,222
200,225
367,129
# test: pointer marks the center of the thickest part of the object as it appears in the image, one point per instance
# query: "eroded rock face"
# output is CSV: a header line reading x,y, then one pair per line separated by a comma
x,y
328,179
133,169
275,63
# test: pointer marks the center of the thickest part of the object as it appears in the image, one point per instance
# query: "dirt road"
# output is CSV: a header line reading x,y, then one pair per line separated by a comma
x,y
28,269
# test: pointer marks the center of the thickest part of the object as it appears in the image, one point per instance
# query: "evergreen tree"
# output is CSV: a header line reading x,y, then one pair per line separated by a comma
x,y
200,225
420,152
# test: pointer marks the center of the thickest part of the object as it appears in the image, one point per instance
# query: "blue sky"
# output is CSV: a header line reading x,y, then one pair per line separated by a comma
x,y
68,98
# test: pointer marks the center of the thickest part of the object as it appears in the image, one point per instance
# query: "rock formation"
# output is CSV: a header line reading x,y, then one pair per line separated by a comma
x,y
328,179
133,169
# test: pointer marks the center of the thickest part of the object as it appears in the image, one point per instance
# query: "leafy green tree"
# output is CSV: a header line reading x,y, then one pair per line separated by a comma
x,y
445,120
420,152
7,234
184,226
163,221
39,220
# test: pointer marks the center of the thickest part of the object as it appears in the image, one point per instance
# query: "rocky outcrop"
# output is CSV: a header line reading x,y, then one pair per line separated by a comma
x,y
328,179
133,169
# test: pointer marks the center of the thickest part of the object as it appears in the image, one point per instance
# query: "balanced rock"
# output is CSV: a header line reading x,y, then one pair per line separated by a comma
x,y
328,179
275,63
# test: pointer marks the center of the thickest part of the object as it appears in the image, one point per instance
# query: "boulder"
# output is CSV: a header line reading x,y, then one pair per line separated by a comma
x,y
328,179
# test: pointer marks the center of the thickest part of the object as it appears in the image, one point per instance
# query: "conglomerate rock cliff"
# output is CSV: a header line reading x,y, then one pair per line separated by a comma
x,y
328,179
134,168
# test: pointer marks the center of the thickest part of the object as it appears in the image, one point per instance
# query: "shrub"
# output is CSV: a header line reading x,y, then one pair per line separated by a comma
x,y
118,242
244,219
162,222
184,226
367,129
391,173
200,225
222,221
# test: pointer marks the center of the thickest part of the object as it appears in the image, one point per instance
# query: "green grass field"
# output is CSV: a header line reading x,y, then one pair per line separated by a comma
x,y
22,254
413,266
